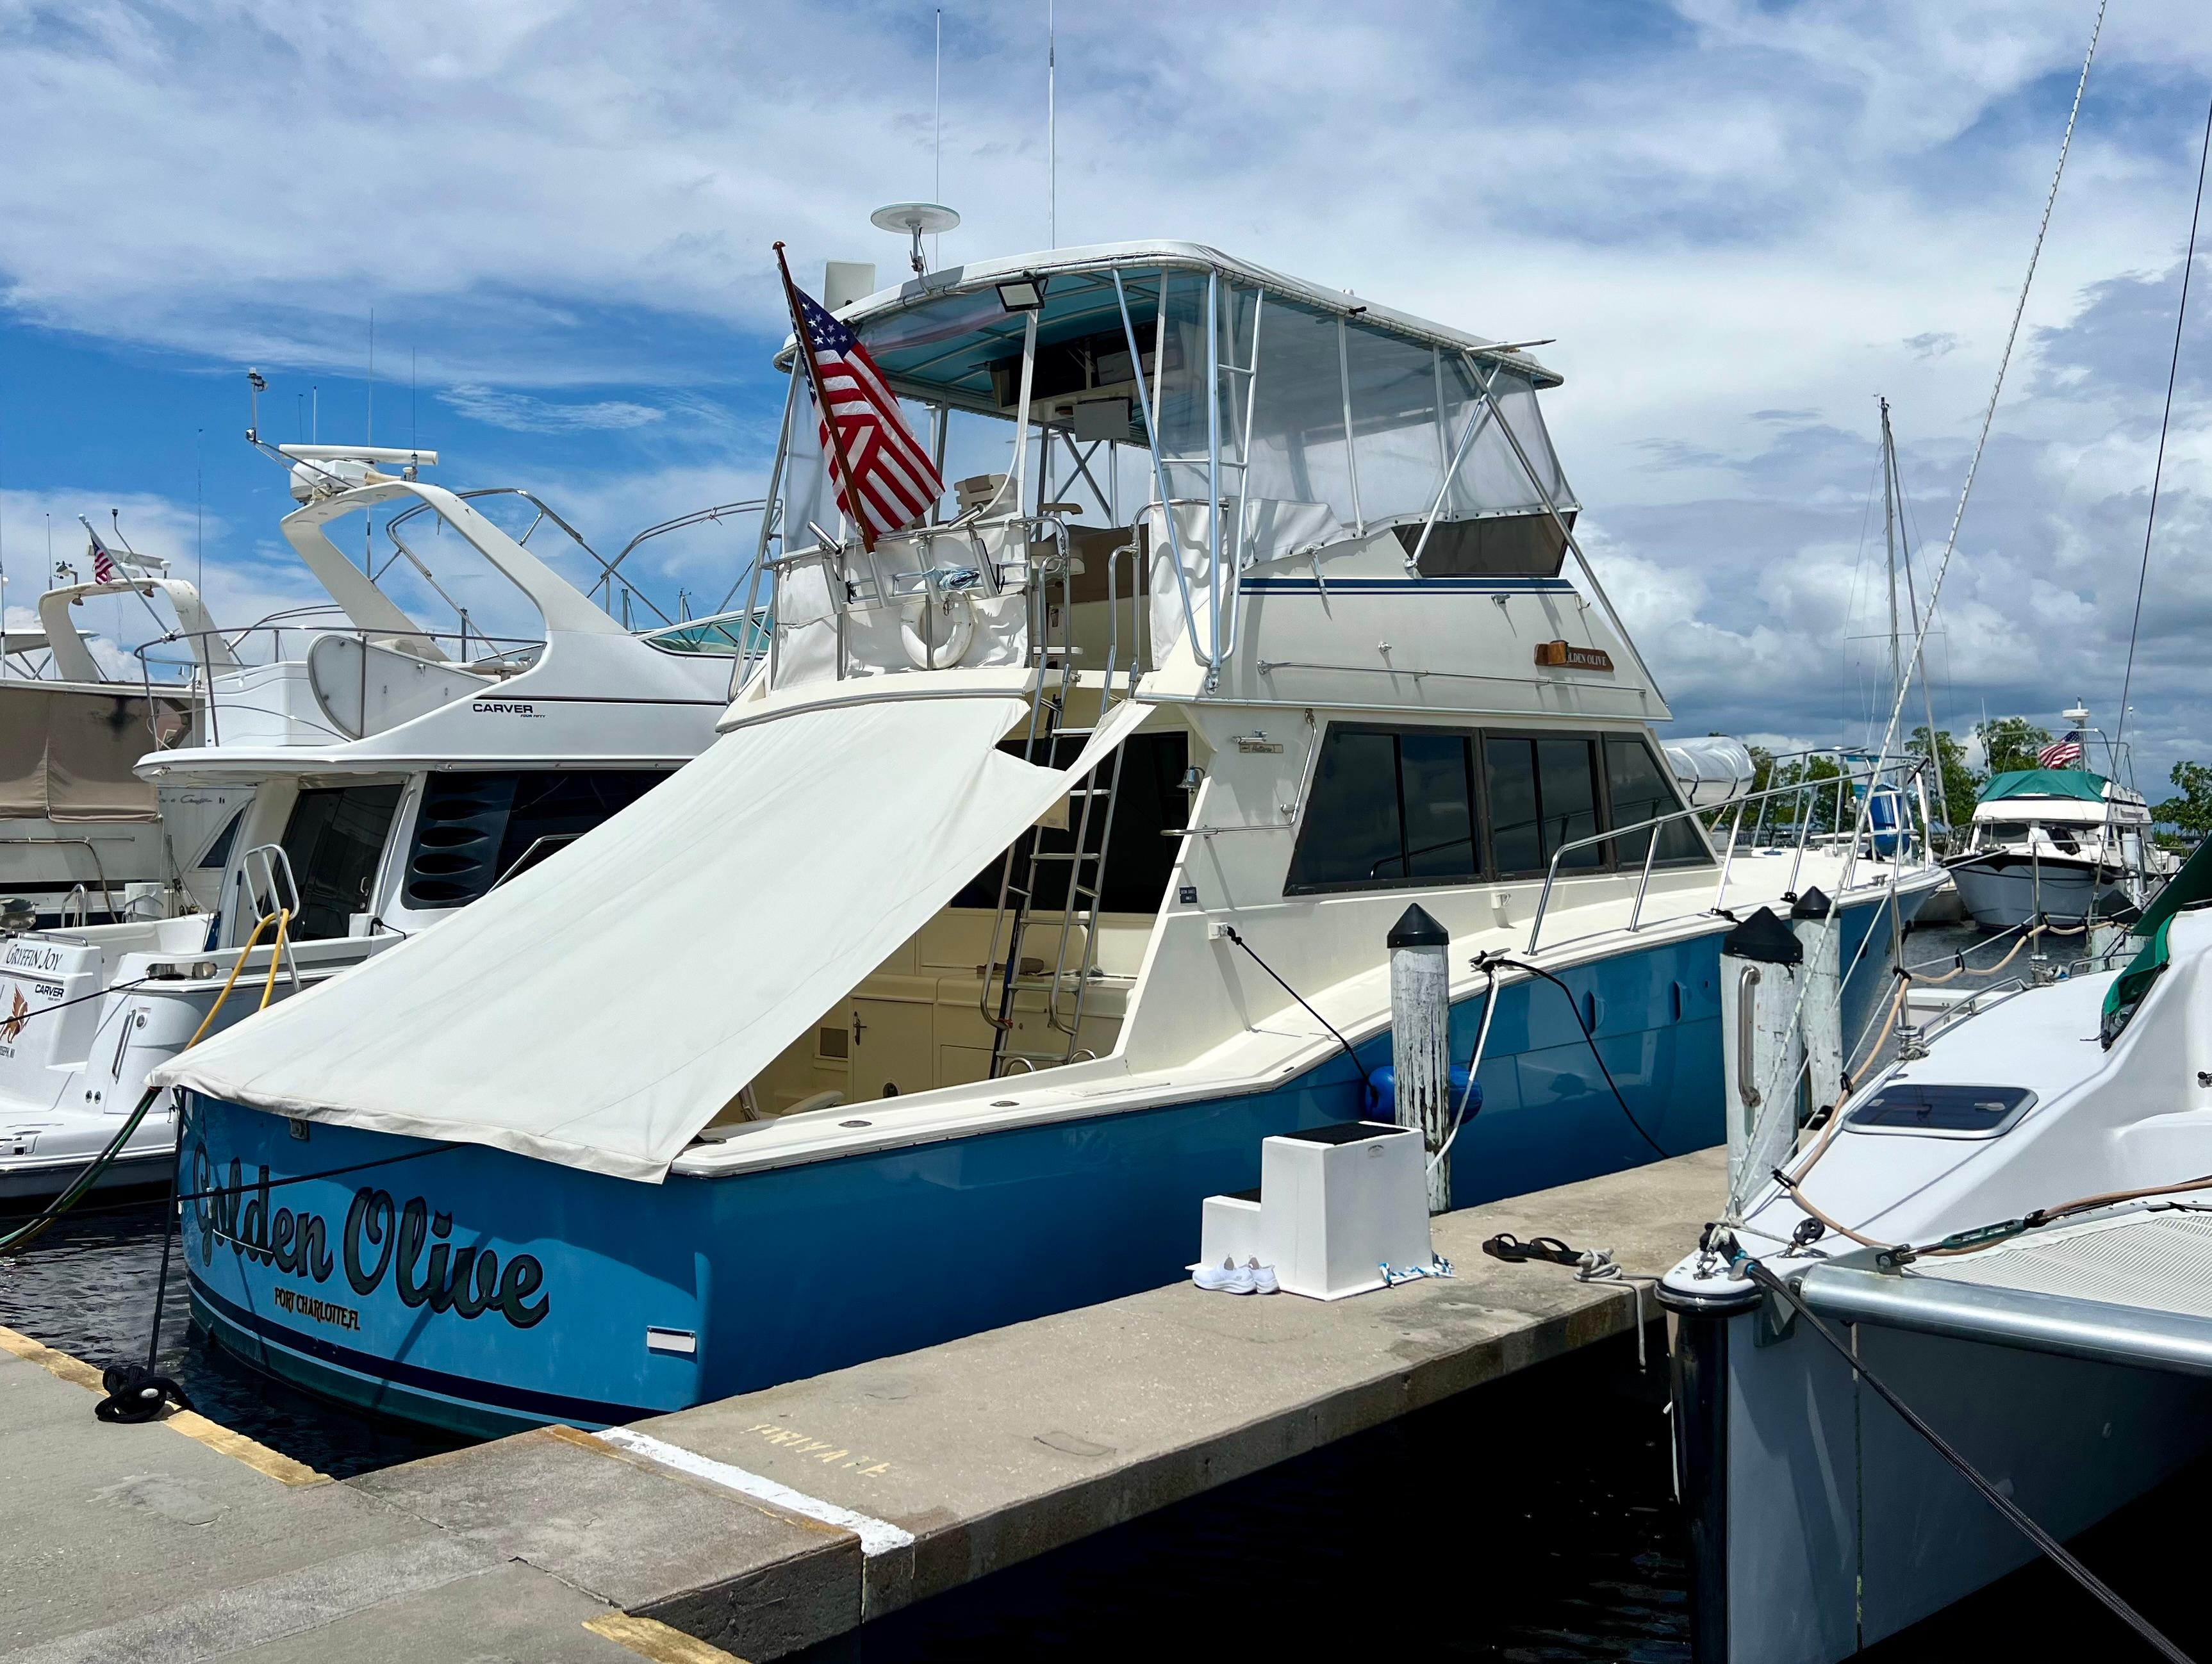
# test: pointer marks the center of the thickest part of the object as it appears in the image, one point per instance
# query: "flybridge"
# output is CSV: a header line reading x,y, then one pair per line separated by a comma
x,y
1207,417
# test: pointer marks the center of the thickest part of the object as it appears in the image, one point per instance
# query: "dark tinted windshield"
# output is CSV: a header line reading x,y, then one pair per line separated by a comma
x,y
478,827
334,843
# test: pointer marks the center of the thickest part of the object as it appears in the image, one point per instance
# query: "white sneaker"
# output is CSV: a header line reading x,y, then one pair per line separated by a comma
x,y
1227,1277
1263,1277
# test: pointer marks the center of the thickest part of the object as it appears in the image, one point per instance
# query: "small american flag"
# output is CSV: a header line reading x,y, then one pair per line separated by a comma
x,y
871,446
103,563
2058,754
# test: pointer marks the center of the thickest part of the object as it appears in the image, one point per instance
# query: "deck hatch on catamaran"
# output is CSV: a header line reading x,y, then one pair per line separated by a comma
x,y
725,911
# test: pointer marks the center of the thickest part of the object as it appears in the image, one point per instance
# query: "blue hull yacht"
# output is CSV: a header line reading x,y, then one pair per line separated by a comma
x,y
1040,869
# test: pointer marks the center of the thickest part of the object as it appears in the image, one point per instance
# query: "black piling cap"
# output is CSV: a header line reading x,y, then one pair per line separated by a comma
x,y
1415,929
1811,905
1765,938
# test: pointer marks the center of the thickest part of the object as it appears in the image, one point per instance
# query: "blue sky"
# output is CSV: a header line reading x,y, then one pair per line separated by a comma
x,y
1741,221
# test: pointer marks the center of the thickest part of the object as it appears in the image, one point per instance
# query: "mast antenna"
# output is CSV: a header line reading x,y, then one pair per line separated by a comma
x,y
1051,131
937,132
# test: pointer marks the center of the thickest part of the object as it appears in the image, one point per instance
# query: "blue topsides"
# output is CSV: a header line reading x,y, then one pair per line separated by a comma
x,y
483,1291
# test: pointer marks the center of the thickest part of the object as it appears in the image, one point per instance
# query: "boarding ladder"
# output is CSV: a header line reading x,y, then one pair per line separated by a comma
x,y
1050,741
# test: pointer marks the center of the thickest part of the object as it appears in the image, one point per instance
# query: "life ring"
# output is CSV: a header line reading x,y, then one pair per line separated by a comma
x,y
953,641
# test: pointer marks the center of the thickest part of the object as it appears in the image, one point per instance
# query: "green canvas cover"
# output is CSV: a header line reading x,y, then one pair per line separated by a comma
x,y
2044,783
2130,986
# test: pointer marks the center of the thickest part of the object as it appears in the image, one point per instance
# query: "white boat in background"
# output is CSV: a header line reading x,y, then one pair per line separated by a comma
x,y
387,774
1042,868
2058,845
83,838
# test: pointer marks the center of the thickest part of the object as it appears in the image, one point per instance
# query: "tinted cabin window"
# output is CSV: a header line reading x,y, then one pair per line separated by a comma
x,y
1434,798
1398,807
476,828
1351,834
1543,795
333,841
1510,772
1497,546
1639,791
1568,785
1387,806
218,853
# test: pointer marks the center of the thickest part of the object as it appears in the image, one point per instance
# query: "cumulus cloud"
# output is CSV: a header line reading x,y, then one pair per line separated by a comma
x,y
1741,221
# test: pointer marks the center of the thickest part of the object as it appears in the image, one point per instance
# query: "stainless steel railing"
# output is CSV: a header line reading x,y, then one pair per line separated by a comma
x,y
1876,777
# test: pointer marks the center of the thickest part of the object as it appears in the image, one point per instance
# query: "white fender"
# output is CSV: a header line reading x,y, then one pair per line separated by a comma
x,y
953,641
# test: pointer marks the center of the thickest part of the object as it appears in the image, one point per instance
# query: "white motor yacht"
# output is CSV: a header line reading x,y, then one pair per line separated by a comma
x,y
2058,846
1043,866
83,838
387,773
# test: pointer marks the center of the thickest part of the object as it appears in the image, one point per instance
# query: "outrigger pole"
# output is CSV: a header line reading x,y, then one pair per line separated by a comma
x,y
805,349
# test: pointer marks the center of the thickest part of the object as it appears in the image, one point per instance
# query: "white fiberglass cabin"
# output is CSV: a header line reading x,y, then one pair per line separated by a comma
x,y
84,839
970,946
384,773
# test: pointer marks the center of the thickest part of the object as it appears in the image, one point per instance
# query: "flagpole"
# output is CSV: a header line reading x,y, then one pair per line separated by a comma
x,y
806,351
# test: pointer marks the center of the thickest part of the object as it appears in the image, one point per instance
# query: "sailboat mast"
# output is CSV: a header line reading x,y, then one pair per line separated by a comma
x,y
1889,540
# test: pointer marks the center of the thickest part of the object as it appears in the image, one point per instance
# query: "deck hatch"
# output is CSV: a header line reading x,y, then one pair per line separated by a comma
x,y
1941,1107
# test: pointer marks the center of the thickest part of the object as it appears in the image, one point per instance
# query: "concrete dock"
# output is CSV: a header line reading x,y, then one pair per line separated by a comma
x,y
760,1525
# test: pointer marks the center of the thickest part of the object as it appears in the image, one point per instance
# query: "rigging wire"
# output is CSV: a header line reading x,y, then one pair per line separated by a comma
x,y
1773,1094
2158,469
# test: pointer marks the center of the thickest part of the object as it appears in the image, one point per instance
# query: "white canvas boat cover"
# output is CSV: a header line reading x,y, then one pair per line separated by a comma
x,y
604,1006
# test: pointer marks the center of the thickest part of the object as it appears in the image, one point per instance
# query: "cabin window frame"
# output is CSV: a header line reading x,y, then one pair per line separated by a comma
x,y
1487,870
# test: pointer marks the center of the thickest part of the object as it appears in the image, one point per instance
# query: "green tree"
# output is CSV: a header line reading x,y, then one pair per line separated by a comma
x,y
2011,742
1954,803
1816,803
2192,811
1762,767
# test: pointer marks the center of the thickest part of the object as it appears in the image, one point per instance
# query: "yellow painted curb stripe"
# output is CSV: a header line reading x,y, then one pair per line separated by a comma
x,y
253,1454
190,1424
75,1371
656,1641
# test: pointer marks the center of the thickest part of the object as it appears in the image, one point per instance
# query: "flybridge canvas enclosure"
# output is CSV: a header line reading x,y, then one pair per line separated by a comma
x,y
2044,783
725,914
1298,417
68,756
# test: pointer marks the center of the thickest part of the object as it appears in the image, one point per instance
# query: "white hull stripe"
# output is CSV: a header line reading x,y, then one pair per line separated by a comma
x,y
877,1536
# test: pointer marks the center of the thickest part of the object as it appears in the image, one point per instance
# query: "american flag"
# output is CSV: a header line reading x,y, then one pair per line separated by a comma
x,y
103,563
885,462
2061,752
